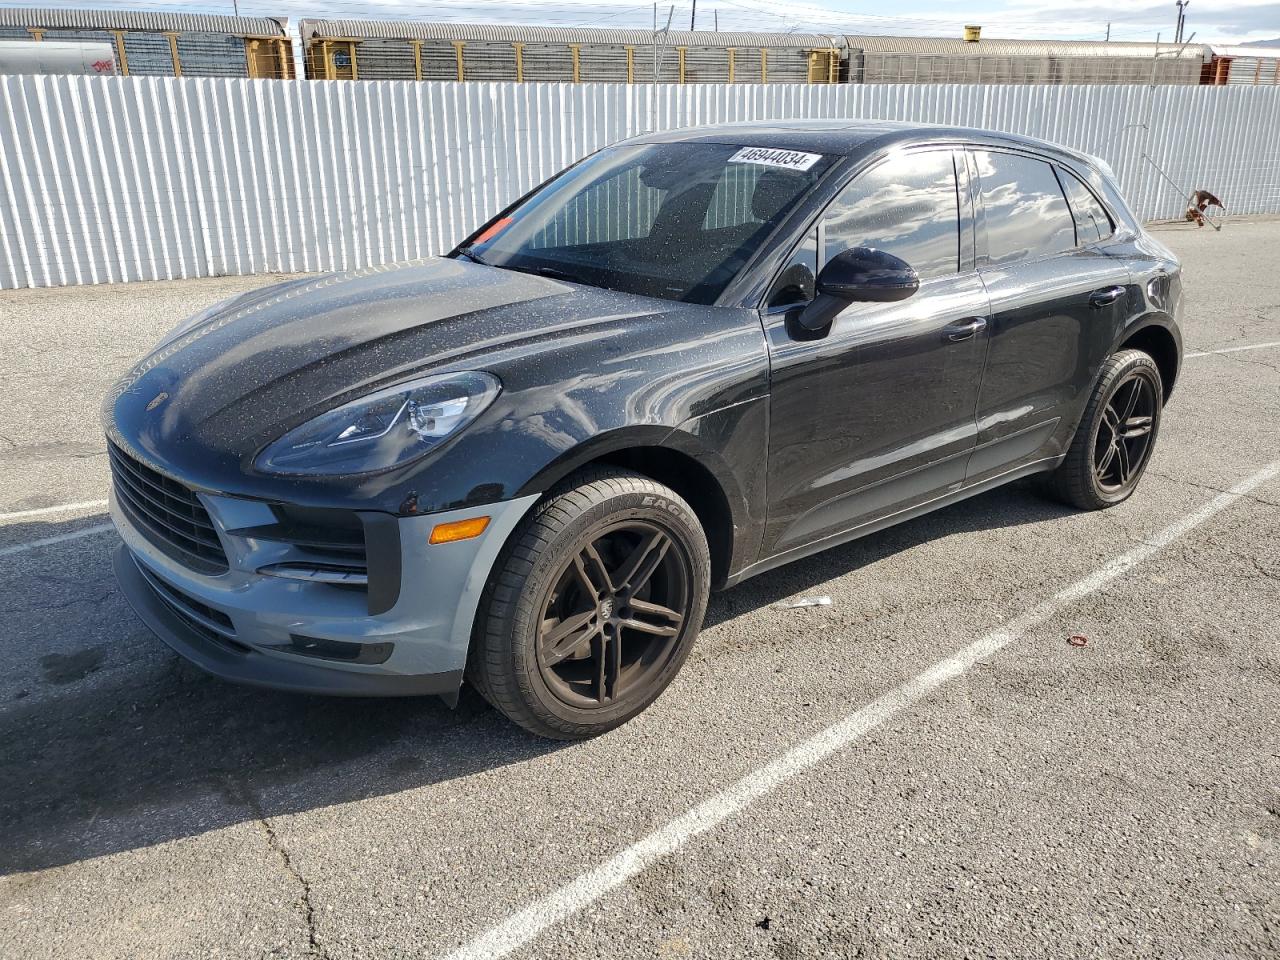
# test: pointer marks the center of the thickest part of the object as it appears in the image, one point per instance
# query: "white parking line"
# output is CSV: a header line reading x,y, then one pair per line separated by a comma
x,y
1252,346
60,538
522,927
60,508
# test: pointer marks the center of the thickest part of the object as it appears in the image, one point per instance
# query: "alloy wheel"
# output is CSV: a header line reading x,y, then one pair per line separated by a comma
x,y
614,615
1124,437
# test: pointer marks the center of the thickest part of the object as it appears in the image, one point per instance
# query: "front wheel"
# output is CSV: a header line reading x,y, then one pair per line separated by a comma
x,y
593,607
1117,433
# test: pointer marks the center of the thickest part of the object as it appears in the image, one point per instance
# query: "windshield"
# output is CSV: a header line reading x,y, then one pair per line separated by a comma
x,y
670,220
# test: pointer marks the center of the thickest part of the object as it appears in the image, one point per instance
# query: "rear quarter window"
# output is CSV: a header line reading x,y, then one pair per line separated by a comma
x,y
1092,222
1026,215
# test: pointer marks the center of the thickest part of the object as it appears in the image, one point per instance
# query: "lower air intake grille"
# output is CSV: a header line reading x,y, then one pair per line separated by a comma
x,y
202,619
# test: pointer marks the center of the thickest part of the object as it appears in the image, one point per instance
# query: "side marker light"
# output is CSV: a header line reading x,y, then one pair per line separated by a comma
x,y
459,530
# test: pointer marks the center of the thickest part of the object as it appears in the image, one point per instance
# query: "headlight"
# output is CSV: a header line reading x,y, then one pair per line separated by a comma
x,y
384,429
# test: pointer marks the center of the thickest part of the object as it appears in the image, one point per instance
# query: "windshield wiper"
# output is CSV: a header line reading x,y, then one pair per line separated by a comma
x,y
556,274
550,272
469,252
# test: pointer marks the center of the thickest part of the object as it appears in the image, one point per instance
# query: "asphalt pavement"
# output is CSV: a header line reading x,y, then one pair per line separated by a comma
x,y
924,768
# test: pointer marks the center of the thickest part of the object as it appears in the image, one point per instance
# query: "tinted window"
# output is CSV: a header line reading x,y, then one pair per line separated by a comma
x,y
731,203
1092,222
1026,214
599,215
671,220
906,206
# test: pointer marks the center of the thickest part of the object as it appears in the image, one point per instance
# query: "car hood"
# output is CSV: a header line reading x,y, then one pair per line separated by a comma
x,y
273,358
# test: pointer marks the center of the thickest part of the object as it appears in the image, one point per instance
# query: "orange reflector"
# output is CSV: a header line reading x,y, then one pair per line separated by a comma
x,y
496,228
459,530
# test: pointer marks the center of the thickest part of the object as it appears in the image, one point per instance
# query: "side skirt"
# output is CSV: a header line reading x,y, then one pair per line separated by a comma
x,y
881,523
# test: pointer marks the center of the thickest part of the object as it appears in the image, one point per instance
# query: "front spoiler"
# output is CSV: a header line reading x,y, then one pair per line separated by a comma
x,y
262,670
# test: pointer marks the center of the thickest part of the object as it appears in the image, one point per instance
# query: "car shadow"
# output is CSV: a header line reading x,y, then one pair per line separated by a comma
x,y
1015,504
156,750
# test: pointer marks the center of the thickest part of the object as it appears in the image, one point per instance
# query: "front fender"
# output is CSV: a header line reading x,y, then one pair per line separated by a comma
x,y
599,447
717,460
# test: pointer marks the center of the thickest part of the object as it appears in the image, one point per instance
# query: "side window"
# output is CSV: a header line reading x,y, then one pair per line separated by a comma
x,y
797,282
907,206
1092,222
1026,213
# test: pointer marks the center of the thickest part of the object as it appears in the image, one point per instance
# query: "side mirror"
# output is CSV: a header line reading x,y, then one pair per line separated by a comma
x,y
862,274
858,275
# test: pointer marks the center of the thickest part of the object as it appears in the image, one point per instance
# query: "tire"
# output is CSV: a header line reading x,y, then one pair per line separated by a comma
x,y
571,639
1090,476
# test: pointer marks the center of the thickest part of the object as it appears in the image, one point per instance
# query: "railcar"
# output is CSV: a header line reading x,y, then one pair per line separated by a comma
x,y
398,50
879,59
395,50
164,44
1241,64
57,57
180,44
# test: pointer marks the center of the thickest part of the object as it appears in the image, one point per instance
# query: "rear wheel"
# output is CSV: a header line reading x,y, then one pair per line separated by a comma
x,y
1116,436
593,607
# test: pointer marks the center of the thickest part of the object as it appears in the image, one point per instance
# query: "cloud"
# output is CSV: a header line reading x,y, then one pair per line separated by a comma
x,y
1209,21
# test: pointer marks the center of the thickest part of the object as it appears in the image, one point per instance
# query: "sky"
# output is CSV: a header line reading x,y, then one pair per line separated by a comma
x,y
1223,21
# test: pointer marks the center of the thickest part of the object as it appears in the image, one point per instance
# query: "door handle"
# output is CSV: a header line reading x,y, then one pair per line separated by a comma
x,y
1106,296
964,329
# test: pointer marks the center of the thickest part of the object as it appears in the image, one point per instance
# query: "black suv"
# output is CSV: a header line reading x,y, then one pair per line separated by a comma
x,y
689,358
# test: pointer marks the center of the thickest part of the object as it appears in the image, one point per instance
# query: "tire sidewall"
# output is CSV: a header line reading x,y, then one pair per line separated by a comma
x,y
676,518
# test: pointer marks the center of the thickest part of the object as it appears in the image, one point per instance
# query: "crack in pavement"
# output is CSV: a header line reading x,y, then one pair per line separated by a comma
x,y
1210,487
241,794
1265,571
1236,356
47,605
308,910
1213,566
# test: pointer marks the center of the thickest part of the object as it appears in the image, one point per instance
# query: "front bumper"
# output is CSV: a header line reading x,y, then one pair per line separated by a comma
x,y
316,637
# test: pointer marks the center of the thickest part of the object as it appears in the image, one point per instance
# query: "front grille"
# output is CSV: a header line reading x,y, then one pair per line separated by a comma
x,y
167,513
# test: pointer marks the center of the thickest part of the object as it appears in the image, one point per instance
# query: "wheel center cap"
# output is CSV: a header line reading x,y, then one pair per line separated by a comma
x,y
606,608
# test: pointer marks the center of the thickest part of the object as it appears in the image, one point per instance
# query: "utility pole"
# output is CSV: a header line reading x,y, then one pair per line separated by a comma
x,y
716,14
1182,19
693,15
653,114
1108,31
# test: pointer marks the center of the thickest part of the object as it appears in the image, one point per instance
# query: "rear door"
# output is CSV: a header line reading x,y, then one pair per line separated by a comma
x,y
1056,300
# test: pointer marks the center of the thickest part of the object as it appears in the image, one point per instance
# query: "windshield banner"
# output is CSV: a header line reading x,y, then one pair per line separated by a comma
x,y
790,159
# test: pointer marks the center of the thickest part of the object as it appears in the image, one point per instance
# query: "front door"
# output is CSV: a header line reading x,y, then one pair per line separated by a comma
x,y
879,414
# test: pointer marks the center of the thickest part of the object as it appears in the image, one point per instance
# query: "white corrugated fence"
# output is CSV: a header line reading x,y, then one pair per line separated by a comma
x,y
112,179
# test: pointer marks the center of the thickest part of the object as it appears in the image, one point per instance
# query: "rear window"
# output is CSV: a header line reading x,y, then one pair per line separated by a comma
x,y
1026,214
